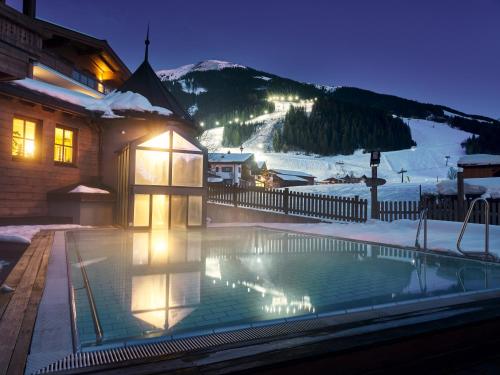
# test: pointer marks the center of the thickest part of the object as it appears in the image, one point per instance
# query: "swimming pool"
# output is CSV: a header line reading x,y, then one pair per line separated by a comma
x,y
127,286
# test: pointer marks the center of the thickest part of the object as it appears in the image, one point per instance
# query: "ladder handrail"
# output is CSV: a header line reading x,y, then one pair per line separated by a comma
x,y
486,224
423,217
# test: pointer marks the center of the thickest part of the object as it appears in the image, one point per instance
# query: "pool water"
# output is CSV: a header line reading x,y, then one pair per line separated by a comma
x,y
168,283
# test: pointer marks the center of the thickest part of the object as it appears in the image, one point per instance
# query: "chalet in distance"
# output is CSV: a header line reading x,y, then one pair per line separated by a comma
x,y
233,168
71,113
284,178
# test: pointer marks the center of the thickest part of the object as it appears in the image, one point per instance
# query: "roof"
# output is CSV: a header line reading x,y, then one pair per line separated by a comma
x,y
144,81
261,164
479,159
286,177
220,157
106,105
292,173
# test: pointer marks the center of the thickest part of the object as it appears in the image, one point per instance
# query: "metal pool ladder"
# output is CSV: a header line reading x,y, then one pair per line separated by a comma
x,y
486,252
423,217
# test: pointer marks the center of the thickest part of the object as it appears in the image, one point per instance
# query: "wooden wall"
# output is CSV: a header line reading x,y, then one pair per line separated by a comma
x,y
24,184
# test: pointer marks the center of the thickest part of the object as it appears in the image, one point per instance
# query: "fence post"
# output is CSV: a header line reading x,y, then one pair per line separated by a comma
x,y
286,195
235,195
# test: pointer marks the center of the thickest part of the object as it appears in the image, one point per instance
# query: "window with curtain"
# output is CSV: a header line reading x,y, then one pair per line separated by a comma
x,y
24,142
64,145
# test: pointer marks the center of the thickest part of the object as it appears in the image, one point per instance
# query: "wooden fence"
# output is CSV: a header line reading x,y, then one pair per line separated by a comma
x,y
292,202
438,209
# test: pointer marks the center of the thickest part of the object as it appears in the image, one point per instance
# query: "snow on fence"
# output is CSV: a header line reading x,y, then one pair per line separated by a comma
x,y
438,209
292,202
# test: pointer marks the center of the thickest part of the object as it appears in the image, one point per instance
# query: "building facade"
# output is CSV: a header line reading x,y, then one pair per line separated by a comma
x,y
61,124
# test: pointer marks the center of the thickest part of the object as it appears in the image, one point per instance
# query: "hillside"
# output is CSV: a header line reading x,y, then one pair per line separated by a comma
x,y
218,93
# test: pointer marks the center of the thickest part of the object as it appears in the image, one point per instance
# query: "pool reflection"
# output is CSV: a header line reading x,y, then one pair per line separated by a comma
x,y
167,282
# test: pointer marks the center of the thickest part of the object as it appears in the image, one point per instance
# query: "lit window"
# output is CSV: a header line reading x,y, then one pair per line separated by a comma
x,y
23,138
151,167
187,169
64,145
179,143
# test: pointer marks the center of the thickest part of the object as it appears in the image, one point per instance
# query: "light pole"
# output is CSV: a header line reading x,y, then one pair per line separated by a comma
x,y
447,157
374,163
241,149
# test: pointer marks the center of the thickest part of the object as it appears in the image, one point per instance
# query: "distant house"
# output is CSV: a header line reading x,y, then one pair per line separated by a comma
x,y
480,165
261,174
214,179
284,178
233,168
347,179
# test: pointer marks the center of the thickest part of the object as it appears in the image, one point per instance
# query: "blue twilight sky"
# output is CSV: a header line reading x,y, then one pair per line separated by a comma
x,y
438,51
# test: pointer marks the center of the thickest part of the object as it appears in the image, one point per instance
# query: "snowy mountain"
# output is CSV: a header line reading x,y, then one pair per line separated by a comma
x,y
202,66
220,93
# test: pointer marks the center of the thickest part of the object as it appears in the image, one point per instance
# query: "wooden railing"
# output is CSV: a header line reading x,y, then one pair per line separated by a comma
x,y
292,202
437,209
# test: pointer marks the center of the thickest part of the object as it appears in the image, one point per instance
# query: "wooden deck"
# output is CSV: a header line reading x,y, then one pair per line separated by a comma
x,y
18,310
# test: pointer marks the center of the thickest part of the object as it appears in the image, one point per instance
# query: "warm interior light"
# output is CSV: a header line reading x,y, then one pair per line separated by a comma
x,y
160,141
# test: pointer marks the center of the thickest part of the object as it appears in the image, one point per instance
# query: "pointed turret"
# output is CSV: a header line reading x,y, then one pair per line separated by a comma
x,y
144,81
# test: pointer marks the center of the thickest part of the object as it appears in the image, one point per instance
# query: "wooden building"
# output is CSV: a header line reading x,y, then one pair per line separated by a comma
x,y
480,165
233,168
284,178
60,125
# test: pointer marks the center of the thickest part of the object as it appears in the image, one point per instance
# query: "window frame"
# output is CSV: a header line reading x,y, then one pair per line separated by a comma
x,y
37,157
74,146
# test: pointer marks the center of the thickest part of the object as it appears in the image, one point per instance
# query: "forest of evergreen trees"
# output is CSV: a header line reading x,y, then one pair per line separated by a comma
x,y
235,134
341,128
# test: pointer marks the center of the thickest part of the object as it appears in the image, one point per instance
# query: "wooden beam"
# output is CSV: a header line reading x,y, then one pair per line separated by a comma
x,y
19,315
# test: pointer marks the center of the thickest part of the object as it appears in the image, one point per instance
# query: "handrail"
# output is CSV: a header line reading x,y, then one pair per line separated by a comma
x,y
486,227
423,217
90,296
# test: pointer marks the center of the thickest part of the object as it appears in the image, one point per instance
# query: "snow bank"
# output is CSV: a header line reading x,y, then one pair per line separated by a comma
x,y
450,188
88,190
114,101
24,233
442,235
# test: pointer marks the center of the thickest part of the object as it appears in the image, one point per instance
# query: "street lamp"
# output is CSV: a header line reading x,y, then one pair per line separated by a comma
x,y
241,149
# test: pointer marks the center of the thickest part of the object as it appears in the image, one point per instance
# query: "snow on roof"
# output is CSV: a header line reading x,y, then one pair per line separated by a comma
x,y
286,177
114,101
292,173
479,159
203,66
220,157
88,190
261,164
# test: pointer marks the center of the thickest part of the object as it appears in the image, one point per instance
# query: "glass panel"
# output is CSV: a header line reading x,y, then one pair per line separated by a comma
x,y
17,146
160,211
151,167
141,210
68,138
184,289
195,208
180,143
178,211
18,128
59,136
160,141
29,148
149,299
140,246
68,155
58,153
159,247
29,131
187,170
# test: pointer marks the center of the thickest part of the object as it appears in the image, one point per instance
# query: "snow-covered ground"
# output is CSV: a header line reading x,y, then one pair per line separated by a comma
x,y
24,233
425,163
442,235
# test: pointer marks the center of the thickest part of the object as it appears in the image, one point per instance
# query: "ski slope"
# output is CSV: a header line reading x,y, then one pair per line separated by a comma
x,y
425,163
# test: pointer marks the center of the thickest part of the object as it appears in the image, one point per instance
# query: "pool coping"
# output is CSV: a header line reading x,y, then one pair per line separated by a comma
x,y
265,330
